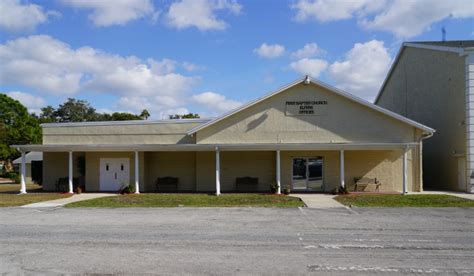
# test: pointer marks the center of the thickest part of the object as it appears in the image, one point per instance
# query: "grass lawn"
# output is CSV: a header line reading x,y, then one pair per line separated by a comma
x,y
9,195
192,200
403,200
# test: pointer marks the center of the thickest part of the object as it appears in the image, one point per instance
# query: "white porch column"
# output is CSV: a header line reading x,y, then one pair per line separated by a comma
x,y
23,173
137,184
218,172
342,174
278,172
405,171
70,173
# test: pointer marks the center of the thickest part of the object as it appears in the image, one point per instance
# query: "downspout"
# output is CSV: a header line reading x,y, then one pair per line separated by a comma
x,y
425,135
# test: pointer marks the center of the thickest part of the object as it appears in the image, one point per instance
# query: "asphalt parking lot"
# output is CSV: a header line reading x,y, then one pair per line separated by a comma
x,y
237,241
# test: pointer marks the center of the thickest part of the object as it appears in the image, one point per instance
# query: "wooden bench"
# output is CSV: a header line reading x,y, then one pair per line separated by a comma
x,y
246,184
366,181
167,184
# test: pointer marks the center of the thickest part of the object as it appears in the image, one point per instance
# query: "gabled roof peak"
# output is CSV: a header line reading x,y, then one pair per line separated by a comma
x,y
308,80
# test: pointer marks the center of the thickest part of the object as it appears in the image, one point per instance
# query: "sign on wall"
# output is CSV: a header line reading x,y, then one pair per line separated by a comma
x,y
306,108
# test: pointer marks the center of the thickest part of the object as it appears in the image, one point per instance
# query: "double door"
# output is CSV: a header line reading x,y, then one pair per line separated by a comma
x,y
307,174
114,173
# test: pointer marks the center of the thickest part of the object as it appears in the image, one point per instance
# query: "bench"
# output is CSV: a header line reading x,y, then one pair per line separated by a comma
x,y
167,184
366,181
246,184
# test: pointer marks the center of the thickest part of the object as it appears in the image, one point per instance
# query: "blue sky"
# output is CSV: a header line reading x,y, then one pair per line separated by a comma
x,y
206,56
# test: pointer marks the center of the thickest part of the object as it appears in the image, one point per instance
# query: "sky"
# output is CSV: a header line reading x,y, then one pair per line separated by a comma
x,y
207,56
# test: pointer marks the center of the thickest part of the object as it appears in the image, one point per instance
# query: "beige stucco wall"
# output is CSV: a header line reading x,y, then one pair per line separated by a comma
x,y
259,164
55,166
345,121
93,168
386,166
205,171
173,164
196,170
149,133
429,87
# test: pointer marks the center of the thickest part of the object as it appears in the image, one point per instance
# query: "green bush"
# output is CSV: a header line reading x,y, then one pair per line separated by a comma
x,y
340,191
274,188
13,176
127,189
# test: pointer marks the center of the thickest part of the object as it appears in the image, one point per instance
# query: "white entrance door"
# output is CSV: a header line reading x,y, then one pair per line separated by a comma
x,y
114,173
307,174
462,173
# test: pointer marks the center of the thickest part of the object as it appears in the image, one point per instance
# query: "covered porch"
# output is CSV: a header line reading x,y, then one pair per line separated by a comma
x,y
217,168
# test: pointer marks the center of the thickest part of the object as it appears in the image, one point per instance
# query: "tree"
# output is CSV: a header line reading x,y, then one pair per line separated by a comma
x,y
47,115
118,116
17,127
145,114
185,116
81,111
75,111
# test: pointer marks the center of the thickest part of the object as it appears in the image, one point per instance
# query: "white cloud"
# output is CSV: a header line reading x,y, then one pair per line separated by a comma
x,y
402,18
160,107
165,66
116,12
311,67
270,50
16,17
410,18
32,102
332,10
363,70
191,67
200,13
309,50
215,101
52,67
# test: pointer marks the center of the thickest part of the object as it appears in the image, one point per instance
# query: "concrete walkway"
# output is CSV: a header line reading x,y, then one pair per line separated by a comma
x,y
319,201
63,201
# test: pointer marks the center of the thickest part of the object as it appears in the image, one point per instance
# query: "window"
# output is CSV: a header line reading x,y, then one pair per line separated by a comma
x,y
121,167
107,167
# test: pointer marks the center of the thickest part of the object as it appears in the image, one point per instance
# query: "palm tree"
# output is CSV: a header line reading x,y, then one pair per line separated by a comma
x,y
145,114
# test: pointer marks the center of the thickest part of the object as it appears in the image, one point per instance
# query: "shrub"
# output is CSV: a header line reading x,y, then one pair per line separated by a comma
x,y
17,178
343,190
274,188
127,189
13,176
340,190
